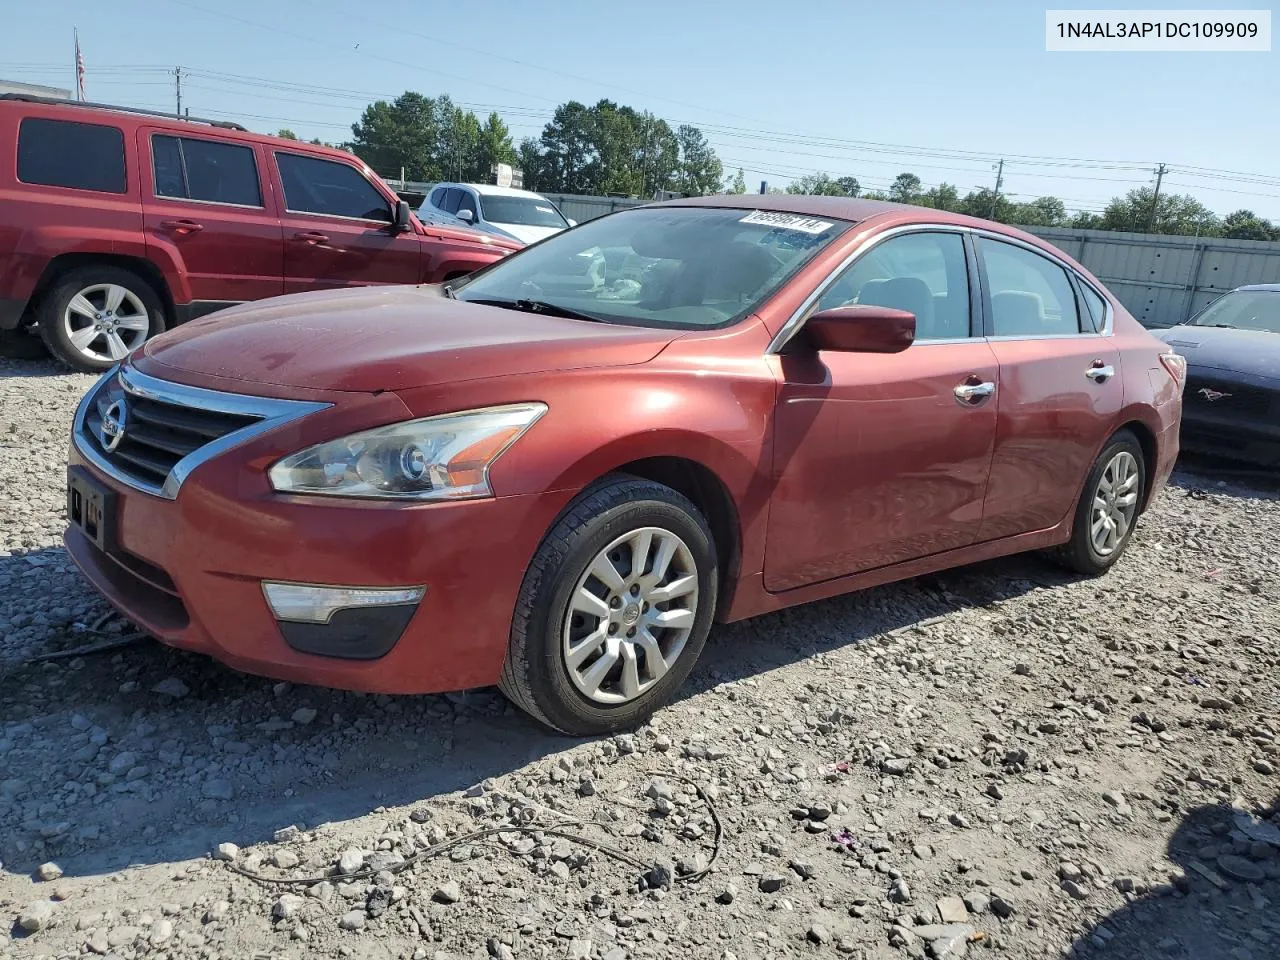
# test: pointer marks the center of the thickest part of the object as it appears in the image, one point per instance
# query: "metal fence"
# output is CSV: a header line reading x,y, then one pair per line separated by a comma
x,y
1160,279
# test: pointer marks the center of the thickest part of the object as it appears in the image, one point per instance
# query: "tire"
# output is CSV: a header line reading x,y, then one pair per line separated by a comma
x,y
612,515
80,300
1082,552
22,344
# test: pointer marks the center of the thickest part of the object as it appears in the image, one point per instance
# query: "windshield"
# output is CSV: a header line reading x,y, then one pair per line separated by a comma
x,y
1245,309
526,211
682,267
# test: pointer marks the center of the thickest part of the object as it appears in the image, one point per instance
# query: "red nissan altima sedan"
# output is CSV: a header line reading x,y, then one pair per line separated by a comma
x,y
555,474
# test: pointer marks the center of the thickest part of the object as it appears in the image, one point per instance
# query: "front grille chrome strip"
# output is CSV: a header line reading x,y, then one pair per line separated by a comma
x,y
272,412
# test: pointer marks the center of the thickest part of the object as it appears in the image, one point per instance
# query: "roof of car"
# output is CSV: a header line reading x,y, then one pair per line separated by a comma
x,y
1269,287
496,191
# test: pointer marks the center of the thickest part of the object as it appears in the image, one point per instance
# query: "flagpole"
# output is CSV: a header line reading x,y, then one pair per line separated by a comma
x,y
75,32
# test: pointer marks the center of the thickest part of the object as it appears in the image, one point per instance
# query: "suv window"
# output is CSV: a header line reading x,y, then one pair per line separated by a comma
x,y
60,153
313,185
1030,294
451,198
195,169
924,273
437,197
466,202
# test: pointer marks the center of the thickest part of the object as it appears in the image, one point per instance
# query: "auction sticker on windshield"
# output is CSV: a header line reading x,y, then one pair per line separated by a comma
x,y
788,221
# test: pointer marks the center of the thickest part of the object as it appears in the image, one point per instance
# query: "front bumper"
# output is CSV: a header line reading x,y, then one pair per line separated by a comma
x,y
1236,416
190,570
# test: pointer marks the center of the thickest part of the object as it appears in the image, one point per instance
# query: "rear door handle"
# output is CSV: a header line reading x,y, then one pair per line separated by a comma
x,y
974,392
311,236
181,226
1099,372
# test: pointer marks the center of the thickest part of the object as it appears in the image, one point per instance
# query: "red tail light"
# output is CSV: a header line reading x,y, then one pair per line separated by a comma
x,y
1177,367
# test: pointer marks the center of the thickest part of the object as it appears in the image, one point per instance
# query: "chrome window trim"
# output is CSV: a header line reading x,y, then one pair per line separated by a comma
x,y
211,203
274,413
793,324
337,216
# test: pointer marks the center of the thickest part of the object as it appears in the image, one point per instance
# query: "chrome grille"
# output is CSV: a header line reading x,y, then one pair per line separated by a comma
x,y
150,433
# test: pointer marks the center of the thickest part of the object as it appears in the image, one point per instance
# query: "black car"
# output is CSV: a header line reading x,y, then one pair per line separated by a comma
x,y
1231,405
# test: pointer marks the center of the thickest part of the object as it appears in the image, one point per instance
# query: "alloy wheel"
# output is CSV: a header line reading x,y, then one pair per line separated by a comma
x,y
630,615
105,322
1115,502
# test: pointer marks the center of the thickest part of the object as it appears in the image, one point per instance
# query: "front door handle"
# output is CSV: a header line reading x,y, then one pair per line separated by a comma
x,y
181,226
974,392
1100,371
311,236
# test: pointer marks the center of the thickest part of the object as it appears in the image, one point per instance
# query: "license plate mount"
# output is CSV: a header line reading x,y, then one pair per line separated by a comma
x,y
91,507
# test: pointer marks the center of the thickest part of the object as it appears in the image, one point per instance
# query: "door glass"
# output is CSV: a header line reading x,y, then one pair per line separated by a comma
x,y
221,172
451,198
466,202
923,273
312,185
1030,294
166,161
1095,305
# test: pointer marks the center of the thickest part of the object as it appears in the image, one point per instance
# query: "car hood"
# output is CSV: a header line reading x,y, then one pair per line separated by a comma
x,y
390,338
525,233
1253,352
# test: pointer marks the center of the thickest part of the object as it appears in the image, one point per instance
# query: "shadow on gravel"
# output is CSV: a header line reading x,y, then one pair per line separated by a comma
x,y
1223,903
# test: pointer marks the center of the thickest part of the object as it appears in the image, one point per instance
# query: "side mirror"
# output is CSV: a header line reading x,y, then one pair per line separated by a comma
x,y
571,221
862,328
467,215
401,222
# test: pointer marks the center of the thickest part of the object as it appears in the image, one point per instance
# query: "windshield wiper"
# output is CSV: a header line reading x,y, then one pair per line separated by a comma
x,y
540,306
1229,326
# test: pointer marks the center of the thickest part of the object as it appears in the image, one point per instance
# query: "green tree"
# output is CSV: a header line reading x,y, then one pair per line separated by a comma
x,y
906,188
529,157
849,185
286,134
403,133
984,203
1084,220
495,143
820,185
738,184
567,150
942,197
1139,211
659,158
700,170
1247,225
1041,212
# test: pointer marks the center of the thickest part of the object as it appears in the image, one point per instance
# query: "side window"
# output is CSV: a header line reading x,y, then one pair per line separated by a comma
x,y
466,202
313,185
83,156
451,198
1030,294
924,273
1096,306
437,197
195,169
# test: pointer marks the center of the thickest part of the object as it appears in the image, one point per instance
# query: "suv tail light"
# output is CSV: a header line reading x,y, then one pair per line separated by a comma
x,y
1176,364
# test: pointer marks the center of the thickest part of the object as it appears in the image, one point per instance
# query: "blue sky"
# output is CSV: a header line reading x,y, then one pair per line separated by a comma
x,y
939,88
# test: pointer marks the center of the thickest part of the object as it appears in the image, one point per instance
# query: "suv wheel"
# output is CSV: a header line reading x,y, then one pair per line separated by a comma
x,y
94,316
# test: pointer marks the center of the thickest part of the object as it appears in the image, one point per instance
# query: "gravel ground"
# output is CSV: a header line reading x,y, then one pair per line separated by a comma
x,y
1000,758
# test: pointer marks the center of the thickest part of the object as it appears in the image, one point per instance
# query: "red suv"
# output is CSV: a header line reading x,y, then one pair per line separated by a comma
x,y
119,223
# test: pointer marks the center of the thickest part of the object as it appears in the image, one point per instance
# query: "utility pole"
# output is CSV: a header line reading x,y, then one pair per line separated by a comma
x,y
177,84
995,197
1161,170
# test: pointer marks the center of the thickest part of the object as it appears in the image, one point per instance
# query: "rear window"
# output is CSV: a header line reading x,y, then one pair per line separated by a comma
x,y
61,153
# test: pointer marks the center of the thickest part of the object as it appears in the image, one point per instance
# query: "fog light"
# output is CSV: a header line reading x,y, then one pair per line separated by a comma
x,y
305,603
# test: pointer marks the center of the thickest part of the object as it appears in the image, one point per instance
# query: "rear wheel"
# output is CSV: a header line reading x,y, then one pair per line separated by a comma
x,y
1108,507
614,610
94,316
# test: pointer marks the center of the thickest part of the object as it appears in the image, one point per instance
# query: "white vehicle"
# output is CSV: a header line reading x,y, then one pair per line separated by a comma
x,y
522,214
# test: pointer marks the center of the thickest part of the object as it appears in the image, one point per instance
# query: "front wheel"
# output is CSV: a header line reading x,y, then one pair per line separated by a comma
x,y
1108,507
94,316
614,610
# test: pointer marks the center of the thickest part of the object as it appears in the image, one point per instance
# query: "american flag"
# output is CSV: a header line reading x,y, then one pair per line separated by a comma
x,y
79,70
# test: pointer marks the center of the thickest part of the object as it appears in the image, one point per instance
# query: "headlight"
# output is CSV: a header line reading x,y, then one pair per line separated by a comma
x,y
436,458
